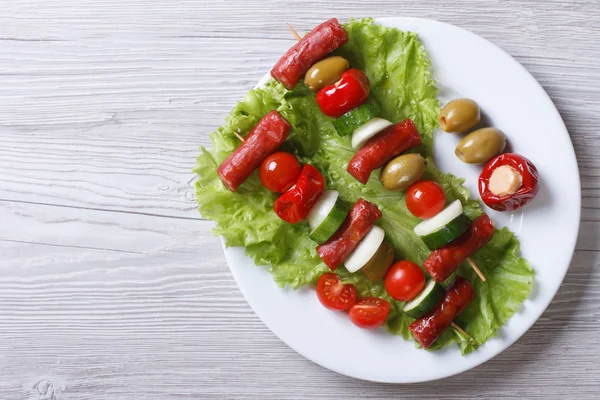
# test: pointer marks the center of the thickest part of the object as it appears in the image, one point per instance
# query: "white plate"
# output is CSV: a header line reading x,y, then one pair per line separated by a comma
x,y
465,65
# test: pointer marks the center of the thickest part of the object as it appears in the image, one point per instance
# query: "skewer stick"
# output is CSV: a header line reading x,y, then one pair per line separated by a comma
x,y
476,269
294,32
237,135
461,330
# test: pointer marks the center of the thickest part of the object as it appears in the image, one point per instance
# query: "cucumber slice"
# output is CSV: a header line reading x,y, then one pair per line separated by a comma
x,y
347,123
329,226
431,294
325,217
363,133
322,208
447,233
440,220
365,250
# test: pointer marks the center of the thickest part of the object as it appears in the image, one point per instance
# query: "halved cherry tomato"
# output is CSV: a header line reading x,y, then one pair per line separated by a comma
x,y
404,280
335,295
279,171
425,199
369,312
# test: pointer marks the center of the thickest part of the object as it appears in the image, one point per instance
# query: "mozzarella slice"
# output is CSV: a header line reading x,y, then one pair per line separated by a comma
x,y
322,208
365,250
440,220
363,133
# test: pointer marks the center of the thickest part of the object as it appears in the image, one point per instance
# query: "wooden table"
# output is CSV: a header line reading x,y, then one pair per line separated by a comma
x,y
113,287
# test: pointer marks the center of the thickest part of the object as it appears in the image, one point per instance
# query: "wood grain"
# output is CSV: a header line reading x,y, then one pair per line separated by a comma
x,y
112,286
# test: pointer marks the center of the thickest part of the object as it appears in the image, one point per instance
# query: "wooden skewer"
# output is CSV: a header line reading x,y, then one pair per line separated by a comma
x,y
476,269
237,135
461,330
294,32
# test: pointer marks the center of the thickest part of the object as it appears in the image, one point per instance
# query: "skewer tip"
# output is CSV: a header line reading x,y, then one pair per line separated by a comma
x,y
237,135
294,32
461,330
476,269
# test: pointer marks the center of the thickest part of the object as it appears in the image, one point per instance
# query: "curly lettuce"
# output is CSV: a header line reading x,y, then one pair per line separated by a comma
x,y
402,85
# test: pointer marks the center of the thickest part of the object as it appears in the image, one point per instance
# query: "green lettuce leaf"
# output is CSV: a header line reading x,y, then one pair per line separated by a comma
x,y
401,84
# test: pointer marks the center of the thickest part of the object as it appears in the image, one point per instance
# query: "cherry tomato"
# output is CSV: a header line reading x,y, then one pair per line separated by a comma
x,y
425,199
369,312
404,280
333,294
279,171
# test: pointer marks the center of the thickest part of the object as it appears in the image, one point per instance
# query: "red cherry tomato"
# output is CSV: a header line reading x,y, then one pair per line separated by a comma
x,y
279,171
425,199
369,312
349,92
333,294
404,280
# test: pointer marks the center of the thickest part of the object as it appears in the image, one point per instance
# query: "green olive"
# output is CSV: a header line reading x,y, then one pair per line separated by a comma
x,y
459,115
480,146
325,72
378,265
402,171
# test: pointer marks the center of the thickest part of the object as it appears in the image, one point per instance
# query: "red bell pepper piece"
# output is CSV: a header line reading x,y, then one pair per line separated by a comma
x,y
293,206
349,92
523,195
